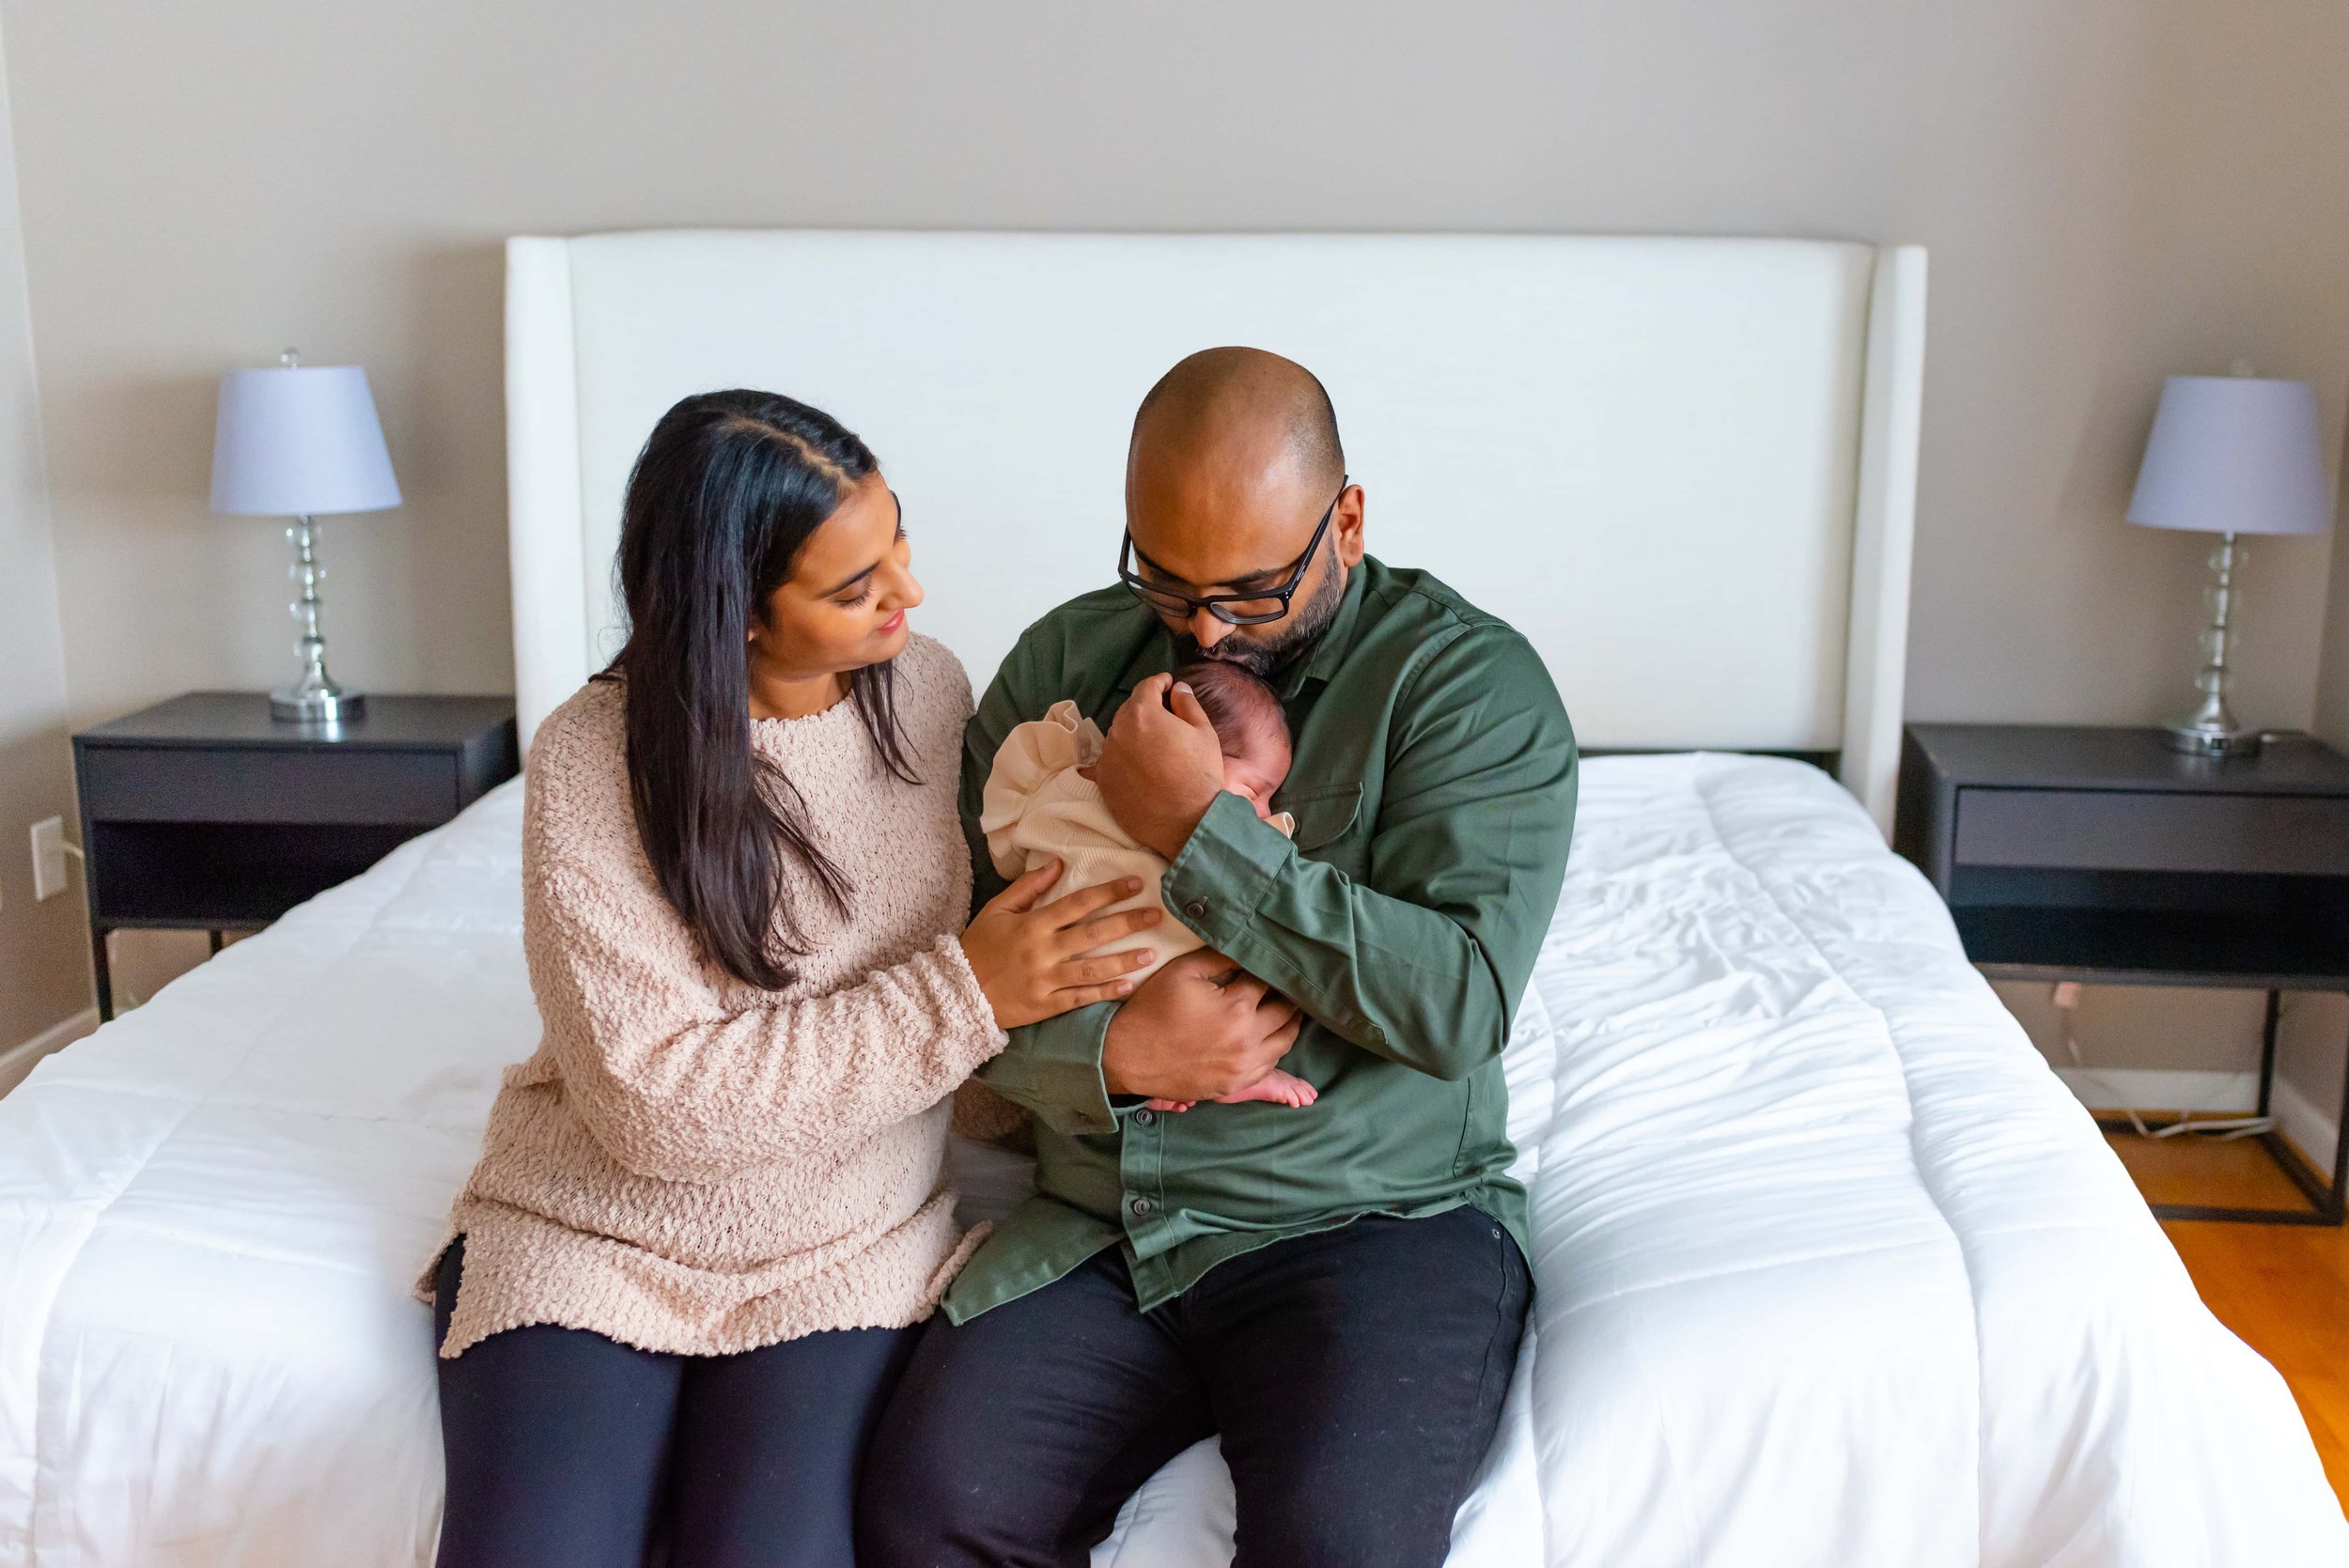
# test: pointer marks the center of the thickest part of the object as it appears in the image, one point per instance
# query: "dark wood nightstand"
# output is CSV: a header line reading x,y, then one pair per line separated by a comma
x,y
2101,856
203,813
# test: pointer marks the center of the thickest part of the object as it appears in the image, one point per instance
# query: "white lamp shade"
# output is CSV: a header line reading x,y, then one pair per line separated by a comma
x,y
302,441
2234,455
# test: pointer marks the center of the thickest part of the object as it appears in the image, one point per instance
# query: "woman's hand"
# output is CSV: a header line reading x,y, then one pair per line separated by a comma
x,y
1027,959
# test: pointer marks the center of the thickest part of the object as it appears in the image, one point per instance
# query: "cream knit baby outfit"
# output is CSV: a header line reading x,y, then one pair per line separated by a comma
x,y
689,1164
1038,807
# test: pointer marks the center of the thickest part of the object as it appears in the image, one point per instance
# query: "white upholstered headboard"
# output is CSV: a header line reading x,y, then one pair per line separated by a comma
x,y
1685,468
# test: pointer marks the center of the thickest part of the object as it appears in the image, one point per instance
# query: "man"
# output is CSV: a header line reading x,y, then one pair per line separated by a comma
x,y
1338,1291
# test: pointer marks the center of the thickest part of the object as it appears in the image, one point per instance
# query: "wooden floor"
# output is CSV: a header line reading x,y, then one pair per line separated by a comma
x,y
2283,1289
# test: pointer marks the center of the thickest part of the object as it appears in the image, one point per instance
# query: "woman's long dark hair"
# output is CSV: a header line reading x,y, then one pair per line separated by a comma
x,y
728,492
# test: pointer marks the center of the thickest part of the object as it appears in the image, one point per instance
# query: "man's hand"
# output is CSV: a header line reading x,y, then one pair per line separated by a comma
x,y
1159,769
1199,1027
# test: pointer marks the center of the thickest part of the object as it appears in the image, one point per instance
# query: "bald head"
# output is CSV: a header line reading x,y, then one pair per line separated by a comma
x,y
1243,410
1235,483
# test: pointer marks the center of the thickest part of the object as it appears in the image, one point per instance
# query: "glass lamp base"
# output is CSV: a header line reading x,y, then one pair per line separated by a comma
x,y
316,706
2211,730
2210,740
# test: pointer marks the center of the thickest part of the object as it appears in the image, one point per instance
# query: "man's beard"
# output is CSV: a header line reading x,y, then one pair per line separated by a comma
x,y
1267,659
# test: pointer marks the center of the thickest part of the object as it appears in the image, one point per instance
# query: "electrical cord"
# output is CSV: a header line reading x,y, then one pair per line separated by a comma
x,y
2220,1129
125,998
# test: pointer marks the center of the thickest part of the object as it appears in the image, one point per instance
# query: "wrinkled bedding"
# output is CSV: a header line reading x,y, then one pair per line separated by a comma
x,y
1830,1268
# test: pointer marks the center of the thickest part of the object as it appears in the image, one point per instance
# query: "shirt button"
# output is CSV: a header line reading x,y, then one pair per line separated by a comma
x,y
1196,908
1145,1115
1142,1208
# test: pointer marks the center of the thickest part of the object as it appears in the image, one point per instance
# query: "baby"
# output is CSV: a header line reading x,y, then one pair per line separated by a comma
x,y
1041,804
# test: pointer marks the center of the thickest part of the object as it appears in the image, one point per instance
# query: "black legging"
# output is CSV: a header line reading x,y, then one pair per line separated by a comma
x,y
568,1448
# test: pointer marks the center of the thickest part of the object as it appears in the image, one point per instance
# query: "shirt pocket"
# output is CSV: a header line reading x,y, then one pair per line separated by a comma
x,y
1327,820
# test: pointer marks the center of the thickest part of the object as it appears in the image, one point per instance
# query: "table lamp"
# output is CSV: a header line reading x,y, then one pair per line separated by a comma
x,y
302,441
2230,454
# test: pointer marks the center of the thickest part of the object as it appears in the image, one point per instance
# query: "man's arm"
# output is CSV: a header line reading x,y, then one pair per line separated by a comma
x,y
1423,960
1179,1034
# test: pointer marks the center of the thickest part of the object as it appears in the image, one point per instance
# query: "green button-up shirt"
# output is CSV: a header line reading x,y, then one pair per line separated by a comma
x,y
1433,786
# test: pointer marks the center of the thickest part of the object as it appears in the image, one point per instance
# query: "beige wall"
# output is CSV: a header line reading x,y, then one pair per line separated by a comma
x,y
43,971
2112,189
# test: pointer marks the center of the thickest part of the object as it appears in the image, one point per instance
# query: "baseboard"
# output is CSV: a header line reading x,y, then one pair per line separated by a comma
x,y
2207,1093
20,1058
2310,1130
2162,1088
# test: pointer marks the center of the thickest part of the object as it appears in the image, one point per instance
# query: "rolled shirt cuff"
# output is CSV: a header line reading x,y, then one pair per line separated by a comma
x,y
1228,865
1054,1068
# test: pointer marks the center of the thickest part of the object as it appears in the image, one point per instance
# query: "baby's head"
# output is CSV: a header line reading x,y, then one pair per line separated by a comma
x,y
1248,724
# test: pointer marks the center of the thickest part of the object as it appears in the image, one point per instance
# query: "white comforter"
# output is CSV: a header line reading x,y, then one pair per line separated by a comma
x,y
1832,1269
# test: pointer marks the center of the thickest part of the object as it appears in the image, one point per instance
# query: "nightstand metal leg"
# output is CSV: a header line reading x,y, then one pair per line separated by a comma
x,y
2327,1205
102,973
2330,1204
2336,1207
2268,1048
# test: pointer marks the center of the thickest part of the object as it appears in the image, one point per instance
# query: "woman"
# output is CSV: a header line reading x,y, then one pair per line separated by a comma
x,y
680,1279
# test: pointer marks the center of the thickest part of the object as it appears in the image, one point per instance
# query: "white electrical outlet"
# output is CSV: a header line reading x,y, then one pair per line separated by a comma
x,y
49,851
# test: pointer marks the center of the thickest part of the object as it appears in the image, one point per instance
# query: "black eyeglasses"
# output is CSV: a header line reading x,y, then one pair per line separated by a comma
x,y
1266,604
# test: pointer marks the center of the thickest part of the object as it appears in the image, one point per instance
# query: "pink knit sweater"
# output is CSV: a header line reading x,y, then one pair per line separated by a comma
x,y
688,1164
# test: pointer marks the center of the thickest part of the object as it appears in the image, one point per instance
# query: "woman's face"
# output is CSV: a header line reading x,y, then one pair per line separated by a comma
x,y
845,605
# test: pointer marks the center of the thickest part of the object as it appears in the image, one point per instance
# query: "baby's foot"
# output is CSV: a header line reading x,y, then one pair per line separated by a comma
x,y
1276,1086
1167,1105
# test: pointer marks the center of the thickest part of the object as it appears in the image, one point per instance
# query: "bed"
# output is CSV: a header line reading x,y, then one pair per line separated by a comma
x,y
1832,1269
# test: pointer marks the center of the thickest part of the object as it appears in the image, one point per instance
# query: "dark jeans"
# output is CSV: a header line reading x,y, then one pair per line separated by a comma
x,y
567,1447
1355,1376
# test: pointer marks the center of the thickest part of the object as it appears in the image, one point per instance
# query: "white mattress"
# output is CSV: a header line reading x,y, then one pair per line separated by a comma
x,y
1830,1268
